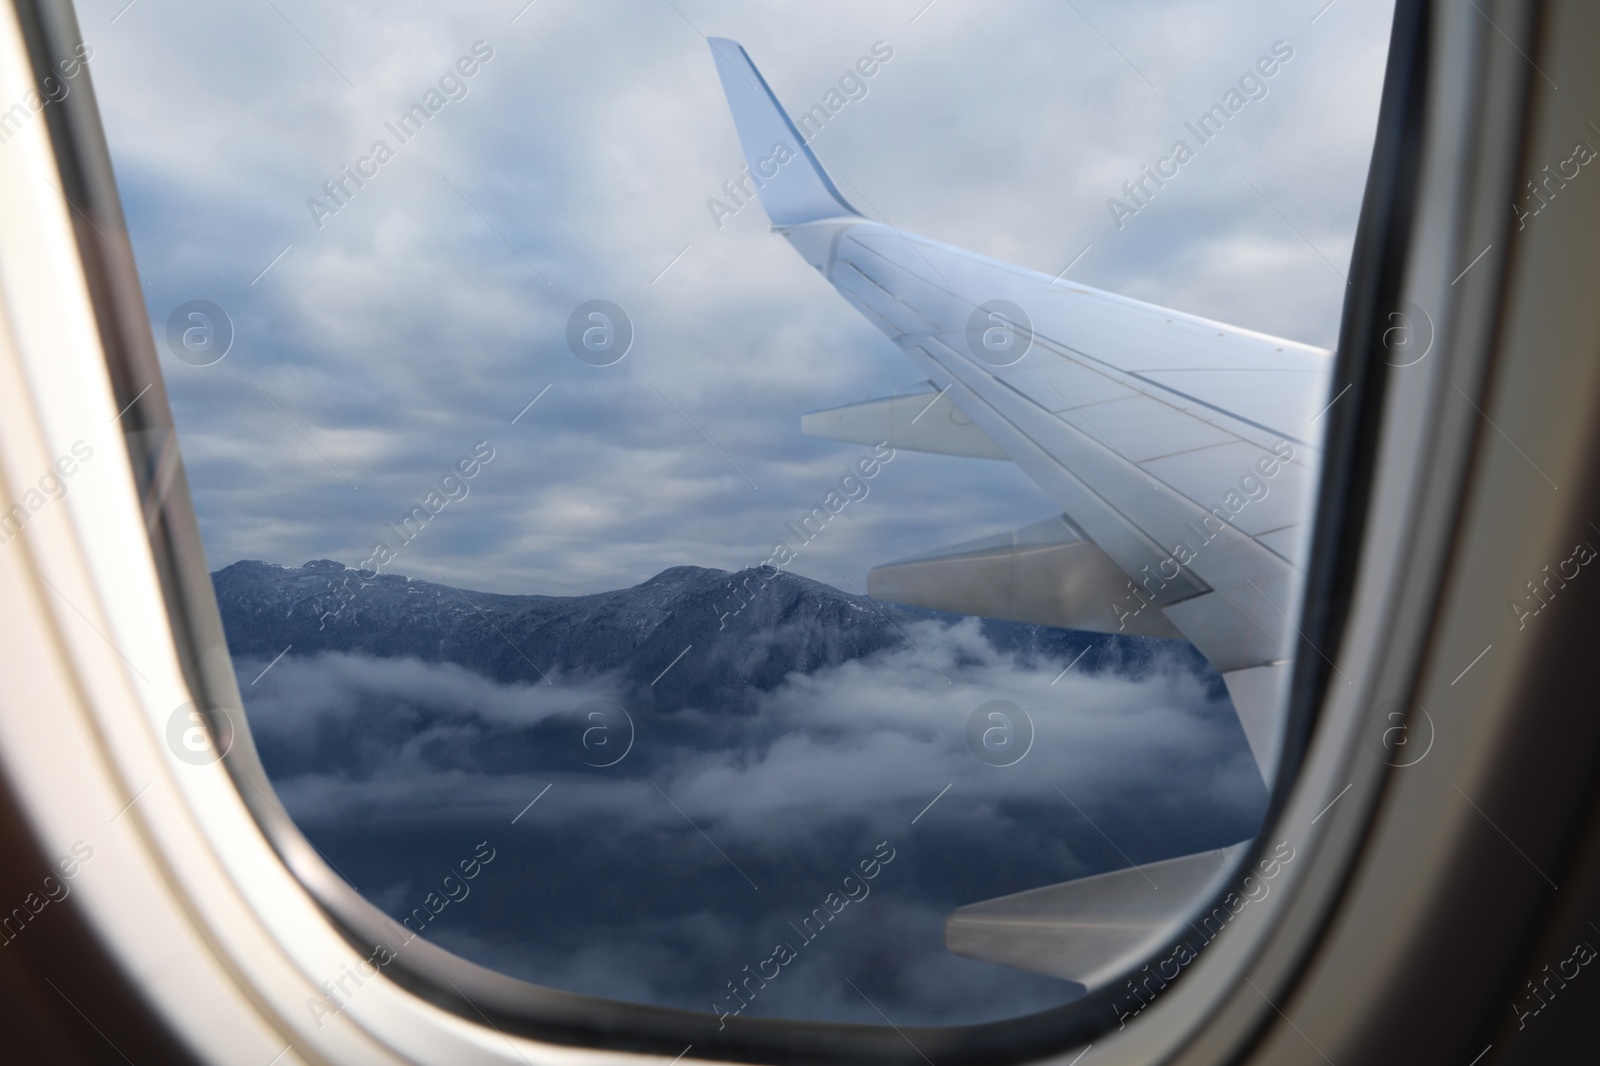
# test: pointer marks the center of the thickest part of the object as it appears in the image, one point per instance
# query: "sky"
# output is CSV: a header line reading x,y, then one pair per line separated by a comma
x,y
375,347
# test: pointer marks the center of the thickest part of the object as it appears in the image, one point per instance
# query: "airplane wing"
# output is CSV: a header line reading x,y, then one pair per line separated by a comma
x,y
1179,450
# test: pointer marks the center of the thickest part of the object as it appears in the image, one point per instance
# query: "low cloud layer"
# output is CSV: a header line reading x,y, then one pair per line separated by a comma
x,y
374,350
607,885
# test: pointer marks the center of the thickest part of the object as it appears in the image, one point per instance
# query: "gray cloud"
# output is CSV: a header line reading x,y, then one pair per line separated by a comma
x,y
407,327
387,764
412,325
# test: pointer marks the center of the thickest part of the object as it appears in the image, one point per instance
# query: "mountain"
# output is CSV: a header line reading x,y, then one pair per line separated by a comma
x,y
746,632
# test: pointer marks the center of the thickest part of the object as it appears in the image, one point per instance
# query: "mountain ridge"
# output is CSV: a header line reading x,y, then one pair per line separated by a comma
x,y
748,630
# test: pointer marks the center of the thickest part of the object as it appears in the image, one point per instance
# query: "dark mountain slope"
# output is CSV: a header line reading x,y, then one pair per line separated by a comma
x,y
786,624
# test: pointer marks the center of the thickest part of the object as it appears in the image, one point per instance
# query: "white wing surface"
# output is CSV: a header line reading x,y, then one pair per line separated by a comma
x,y
1178,450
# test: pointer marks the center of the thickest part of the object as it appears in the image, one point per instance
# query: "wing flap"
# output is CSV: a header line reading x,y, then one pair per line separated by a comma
x,y
1093,929
1048,573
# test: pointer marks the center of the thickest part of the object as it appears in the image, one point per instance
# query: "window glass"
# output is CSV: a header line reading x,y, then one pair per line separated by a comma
x,y
699,491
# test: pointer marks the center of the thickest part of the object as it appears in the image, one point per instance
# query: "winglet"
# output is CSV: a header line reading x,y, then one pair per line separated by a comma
x,y
789,179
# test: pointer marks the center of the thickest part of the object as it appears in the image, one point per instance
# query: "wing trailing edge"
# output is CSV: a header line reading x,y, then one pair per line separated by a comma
x,y
1094,928
1048,573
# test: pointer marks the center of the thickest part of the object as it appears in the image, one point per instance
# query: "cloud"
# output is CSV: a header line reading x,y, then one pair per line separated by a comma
x,y
420,318
658,878
425,315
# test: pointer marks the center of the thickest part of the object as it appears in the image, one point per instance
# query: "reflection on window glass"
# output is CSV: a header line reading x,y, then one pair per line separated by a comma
x,y
770,477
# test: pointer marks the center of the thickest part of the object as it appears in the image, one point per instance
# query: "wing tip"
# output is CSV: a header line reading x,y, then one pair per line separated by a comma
x,y
791,195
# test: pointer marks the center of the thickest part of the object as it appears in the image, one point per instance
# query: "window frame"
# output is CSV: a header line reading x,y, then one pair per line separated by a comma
x,y
1361,436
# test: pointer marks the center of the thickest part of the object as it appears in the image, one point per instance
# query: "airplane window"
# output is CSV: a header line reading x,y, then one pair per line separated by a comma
x,y
745,508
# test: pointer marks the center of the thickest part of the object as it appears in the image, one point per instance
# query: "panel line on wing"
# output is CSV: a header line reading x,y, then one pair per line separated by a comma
x,y
1157,391
1179,501
1137,381
1187,494
1224,411
1108,507
865,308
1252,555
